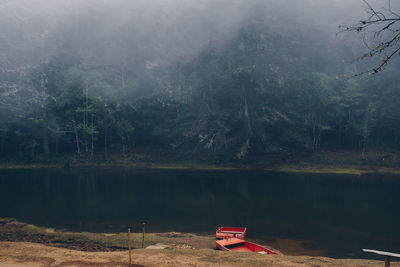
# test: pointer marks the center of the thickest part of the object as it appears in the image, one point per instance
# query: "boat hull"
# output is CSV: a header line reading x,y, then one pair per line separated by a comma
x,y
236,244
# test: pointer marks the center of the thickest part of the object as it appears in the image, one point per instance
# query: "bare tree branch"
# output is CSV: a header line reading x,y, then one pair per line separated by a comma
x,y
381,35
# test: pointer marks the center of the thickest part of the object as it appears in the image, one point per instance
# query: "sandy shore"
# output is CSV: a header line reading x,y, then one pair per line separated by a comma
x,y
23,244
34,255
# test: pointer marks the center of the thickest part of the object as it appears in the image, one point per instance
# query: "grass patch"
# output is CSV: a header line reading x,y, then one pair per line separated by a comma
x,y
209,256
12,230
30,228
324,162
316,169
29,166
7,220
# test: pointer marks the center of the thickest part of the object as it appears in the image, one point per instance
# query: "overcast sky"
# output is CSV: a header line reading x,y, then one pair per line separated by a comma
x,y
36,28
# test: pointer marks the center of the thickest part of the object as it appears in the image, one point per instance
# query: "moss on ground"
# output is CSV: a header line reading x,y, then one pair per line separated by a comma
x,y
286,168
334,162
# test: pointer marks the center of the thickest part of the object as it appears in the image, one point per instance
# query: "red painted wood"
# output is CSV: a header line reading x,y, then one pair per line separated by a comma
x,y
236,244
229,232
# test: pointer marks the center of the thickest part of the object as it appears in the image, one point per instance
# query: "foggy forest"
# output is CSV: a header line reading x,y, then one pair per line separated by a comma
x,y
223,79
187,132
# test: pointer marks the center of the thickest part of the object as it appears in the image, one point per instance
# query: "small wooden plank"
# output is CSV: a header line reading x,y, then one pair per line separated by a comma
x,y
383,253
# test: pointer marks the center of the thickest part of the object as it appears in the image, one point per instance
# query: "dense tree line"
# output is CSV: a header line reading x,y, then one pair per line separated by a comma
x,y
265,90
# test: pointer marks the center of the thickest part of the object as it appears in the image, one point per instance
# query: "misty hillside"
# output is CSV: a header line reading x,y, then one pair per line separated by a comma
x,y
233,78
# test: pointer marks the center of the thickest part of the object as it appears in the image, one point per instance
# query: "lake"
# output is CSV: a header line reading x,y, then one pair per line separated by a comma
x,y
336,215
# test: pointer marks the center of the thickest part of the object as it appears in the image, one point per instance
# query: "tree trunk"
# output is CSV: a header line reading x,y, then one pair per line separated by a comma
x,y
57,140
2,147
315,132
33,148
105,141
133,141
92,145
364,144
246,113
77,140
129,142
45,133
378,136
247,124
316,136
123,145
45,136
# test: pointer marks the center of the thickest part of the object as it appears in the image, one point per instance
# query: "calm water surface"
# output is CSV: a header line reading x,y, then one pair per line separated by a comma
x,y
338,214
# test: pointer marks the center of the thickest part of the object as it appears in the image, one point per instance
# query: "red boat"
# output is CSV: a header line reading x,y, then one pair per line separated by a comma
x,y
236,244
229,232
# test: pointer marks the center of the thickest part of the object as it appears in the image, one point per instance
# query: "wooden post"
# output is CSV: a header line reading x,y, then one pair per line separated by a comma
x,y
130,253
383,253
143,230
387,261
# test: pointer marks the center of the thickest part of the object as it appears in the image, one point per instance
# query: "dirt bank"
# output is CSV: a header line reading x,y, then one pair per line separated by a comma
x,y
14,231
34,255
23,244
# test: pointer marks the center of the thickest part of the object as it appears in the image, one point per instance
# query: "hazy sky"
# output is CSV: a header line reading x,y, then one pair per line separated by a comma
x,y
34,29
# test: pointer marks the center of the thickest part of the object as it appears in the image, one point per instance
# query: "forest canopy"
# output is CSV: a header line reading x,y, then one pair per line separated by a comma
x,y
231,78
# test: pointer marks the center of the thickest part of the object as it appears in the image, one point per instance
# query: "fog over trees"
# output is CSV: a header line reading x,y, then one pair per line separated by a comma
x,y
234,78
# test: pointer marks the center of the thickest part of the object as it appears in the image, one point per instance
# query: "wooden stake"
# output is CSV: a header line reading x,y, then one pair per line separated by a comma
x,y
383,253
387,261
130,253
143,229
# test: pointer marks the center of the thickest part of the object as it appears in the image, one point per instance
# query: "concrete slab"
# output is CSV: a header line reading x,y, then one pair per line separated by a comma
x,y
157,246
